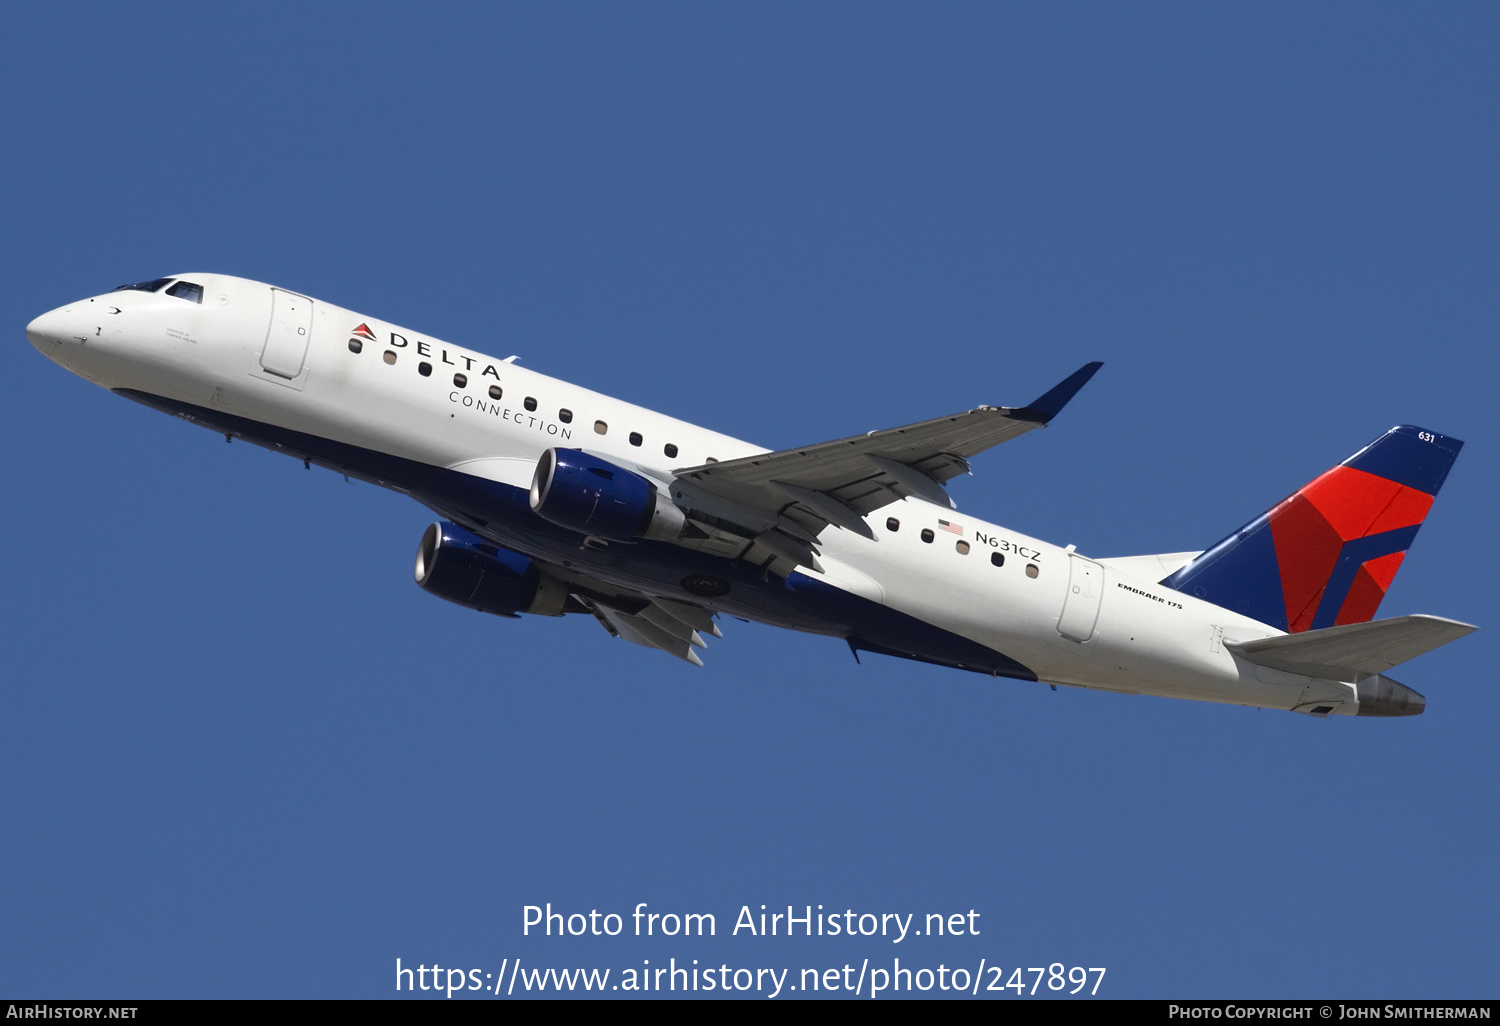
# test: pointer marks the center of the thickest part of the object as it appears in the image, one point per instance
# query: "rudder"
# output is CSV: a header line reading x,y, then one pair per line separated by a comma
x,y
1326,554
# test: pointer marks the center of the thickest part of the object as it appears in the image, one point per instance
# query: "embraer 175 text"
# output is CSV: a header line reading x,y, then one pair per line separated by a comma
x,y
559,500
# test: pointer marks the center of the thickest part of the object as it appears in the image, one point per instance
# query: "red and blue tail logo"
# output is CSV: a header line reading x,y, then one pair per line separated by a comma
x,y
1327,554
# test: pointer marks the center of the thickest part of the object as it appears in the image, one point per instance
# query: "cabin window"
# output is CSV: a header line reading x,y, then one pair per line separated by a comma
x,y
530,404
495,392
927,534
187,290
998,558
389,357
635,438
566,416
962,547
670,450
1031,570
355,345
460,380
892,524
600,427
425,369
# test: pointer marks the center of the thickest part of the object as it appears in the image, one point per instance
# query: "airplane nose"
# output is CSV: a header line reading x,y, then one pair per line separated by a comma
x,y
49,330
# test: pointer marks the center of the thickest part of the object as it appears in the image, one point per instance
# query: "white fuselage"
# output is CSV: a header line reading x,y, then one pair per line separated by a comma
x,y
1127,632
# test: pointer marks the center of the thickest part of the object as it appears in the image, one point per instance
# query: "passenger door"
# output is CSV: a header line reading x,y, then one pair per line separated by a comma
x,y
288,335
1080,609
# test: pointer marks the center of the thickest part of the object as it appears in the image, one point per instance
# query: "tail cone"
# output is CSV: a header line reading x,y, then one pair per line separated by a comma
x,y
1381,696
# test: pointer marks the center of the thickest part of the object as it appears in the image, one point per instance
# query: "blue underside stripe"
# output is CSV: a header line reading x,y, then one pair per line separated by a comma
x,y
504,513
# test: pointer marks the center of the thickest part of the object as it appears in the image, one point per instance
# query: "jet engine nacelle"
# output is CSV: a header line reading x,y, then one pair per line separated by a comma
x,y
585,493
460,566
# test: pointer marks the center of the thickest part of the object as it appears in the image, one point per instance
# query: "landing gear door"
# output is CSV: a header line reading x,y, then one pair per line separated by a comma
x,y
287,338
1080,609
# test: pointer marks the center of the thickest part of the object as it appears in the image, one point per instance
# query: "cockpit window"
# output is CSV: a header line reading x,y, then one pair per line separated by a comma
x,y
143,286
187,290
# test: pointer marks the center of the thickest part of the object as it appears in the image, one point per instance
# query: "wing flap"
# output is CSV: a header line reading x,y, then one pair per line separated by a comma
x,y
665,624
1355,649
695,617
638,630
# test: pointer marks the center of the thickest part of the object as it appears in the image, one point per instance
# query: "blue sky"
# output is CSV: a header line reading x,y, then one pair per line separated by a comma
x,y
242,755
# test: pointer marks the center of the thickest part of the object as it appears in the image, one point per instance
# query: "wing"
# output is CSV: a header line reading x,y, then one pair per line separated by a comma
x,y
650,621
784,500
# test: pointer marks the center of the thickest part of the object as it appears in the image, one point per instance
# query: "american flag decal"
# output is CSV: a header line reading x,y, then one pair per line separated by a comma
x,y
957,529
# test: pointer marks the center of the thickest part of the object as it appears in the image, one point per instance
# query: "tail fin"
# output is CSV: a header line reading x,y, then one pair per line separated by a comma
x,y
1327,554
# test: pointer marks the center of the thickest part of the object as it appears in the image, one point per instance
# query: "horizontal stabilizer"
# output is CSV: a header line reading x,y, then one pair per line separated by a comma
x,y
1352,651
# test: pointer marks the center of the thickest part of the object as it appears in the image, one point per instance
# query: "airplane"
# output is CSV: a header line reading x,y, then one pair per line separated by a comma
x,y
558,500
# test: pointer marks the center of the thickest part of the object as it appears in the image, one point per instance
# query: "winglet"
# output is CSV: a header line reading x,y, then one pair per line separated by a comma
x,y
1050,405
